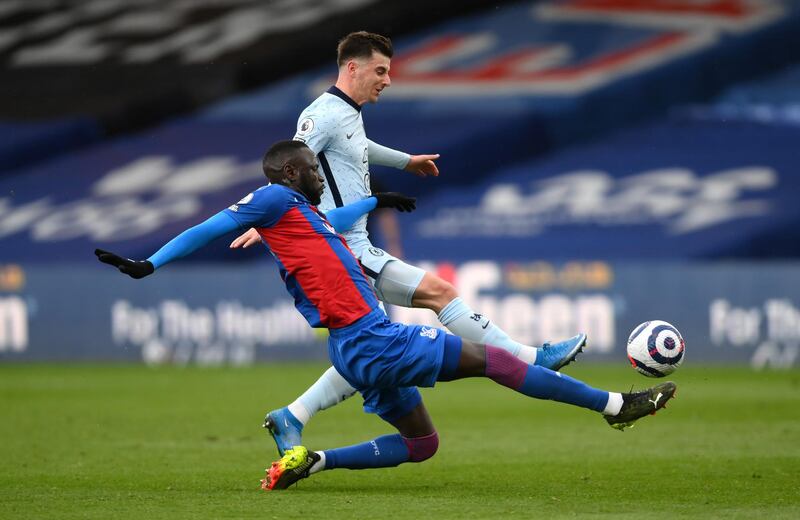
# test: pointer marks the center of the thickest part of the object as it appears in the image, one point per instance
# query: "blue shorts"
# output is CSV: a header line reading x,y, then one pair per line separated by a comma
x,y
386,361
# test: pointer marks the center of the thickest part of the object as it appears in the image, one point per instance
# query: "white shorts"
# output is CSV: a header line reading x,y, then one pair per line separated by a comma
x,y
395,281
373,259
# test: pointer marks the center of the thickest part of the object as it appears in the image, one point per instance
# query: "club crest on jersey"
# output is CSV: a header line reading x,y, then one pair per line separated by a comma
x,y
374,251
428,332
305,127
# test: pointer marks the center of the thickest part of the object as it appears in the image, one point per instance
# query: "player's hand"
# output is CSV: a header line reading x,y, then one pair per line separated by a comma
x,y
133,268
423,165
398,201
246,239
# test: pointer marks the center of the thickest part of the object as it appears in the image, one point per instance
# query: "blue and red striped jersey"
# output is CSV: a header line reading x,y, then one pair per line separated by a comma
x,y
328,285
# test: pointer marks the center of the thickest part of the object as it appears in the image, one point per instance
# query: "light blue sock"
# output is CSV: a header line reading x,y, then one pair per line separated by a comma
x,y
331,388
384,452
466,323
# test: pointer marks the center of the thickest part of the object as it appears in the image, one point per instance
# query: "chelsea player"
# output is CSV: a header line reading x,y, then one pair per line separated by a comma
x,y
333,128
384,361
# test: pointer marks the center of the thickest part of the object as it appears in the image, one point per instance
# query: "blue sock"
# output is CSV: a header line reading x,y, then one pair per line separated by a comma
x,y
543,383
540,382
384,452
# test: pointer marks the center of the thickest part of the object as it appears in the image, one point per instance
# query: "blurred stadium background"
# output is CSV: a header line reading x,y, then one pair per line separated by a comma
x,y
604,162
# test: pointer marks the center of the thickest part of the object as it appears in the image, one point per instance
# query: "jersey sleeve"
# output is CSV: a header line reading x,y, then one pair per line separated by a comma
x,y
344,217
193,239
314,130
261,208
385,156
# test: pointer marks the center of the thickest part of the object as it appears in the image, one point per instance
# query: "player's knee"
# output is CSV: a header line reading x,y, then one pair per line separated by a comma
x,y
435,291
422,448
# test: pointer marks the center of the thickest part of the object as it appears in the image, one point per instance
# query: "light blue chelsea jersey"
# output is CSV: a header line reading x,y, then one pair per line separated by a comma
x,y
332,127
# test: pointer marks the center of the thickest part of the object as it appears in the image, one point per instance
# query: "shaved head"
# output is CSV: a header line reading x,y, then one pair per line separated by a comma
x,y
293,164
278,156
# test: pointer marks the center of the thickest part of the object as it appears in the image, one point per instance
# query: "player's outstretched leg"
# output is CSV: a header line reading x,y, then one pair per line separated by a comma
x,y
286,424
406,285
416,442
467,359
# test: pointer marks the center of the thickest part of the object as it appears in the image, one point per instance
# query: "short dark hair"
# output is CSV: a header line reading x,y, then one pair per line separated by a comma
x,y
361,44
278,155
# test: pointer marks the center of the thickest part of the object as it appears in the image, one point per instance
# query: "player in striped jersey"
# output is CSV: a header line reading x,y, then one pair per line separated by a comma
x,y
384,361
333,128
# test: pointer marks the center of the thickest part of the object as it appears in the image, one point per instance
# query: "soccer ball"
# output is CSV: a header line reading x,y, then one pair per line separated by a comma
x,y
655,348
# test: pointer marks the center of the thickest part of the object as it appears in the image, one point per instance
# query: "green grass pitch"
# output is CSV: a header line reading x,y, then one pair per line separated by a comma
x,y
116,441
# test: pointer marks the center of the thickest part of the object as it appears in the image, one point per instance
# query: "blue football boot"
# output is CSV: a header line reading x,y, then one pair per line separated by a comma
x,y
559,355
285,429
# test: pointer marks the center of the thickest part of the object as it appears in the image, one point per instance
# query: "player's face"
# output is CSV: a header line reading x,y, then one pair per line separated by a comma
x,y
309,182
371,77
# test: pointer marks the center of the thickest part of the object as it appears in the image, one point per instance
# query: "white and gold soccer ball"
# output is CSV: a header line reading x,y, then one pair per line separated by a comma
x,y
656,348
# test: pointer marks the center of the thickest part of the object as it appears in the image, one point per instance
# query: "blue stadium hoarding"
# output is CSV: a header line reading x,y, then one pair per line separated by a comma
x,y
132,194
188,314
685,187
24,143
746,313
659,192
773,100
727,312
675,189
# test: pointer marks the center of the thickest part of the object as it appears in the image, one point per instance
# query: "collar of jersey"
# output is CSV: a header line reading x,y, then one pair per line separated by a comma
x,y
336,91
